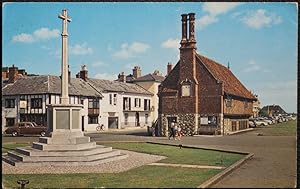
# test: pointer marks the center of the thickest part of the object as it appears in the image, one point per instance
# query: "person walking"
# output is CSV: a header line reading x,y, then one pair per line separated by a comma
x,y
172,133
179,134
175,131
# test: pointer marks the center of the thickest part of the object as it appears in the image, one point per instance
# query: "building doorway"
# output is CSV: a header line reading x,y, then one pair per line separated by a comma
x,y
137,119
112,122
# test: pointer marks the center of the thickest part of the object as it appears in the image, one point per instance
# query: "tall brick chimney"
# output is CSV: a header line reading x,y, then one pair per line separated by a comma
x,y
169,68
188,49
12,74
122,77
188,83
137,72
83,74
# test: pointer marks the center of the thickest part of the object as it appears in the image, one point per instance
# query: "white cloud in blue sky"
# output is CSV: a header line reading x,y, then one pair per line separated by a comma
x,y
130,51
213,10
80,49
171,44
39,34
260,18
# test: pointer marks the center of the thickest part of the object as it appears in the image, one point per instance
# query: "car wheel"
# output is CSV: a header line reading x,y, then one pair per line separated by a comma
x,y
14,133
43,133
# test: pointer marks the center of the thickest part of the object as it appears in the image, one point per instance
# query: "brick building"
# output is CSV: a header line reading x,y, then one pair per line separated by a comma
x,y
273,110
201,95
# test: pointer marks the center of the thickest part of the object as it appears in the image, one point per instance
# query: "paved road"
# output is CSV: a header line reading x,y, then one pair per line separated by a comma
x,y
273,164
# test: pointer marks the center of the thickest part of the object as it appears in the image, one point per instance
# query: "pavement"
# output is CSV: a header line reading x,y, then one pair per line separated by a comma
x,y
272,166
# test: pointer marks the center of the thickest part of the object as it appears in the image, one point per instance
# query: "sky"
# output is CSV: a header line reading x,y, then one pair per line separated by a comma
x,y
259,40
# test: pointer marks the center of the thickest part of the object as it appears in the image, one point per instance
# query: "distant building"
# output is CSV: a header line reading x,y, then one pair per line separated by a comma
x,y
256,107
201,95
273,110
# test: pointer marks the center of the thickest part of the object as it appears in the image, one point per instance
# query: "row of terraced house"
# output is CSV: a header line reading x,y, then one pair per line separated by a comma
x,y
113,104
200,94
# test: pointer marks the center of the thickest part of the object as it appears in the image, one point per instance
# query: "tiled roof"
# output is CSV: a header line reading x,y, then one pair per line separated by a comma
x,y
274,108
151,77
48,84
221,73
171,81
231,84
116,86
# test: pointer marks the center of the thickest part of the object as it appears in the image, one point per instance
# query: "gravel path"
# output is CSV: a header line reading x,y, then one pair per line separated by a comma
x,y
134,160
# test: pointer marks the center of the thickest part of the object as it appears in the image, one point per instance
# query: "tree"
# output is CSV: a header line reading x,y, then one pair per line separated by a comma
x,y
263,113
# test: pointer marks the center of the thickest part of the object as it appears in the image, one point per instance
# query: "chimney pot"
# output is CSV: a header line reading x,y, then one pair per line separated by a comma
x,y
184,28
12,74
83,74
137,72
169,68
122,77
192,27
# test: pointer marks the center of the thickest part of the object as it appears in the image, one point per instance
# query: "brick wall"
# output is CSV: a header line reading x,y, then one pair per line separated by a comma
x,y
238,106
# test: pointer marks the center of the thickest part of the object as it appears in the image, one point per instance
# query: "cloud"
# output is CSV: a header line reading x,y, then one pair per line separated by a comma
x,y
206,20
37,35
213,10
106,76
216,8
129,51
251,66
171,43
23,38
81,49
45,33
260,18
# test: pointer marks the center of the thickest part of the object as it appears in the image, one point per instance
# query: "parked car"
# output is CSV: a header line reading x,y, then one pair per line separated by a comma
x,y
259,122
26,128
265,119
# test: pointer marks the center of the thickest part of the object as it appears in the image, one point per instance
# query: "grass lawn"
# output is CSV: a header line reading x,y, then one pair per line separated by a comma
x,y
12,146
142,177
282,129
183,155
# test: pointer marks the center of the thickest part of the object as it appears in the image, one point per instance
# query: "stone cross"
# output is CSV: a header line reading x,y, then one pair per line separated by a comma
x,y
64,64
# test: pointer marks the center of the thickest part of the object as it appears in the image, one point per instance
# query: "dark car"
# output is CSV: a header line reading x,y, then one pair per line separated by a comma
x,y
26,128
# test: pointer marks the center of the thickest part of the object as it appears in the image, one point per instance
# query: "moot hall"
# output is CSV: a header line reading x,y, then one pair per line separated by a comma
x,y
201,95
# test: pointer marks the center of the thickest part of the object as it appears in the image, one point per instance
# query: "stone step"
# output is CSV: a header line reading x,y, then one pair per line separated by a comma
x,y
18,163
25,158
63,147
61,140
29,151
10,160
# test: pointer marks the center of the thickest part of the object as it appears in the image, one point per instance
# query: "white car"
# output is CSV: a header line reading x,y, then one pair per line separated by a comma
x,y
260,122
